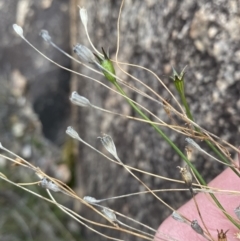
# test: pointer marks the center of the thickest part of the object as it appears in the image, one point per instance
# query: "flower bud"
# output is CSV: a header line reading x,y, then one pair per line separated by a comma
x,y
91,200
107,67
79,100
84,53
109,214
71,132
45,35
84,16
18,29
167,107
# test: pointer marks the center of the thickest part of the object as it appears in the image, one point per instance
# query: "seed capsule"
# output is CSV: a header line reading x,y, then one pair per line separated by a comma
x,y
186,176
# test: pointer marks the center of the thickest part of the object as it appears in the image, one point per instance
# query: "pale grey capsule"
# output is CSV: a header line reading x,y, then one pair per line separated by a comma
x,y
71,132
45,35
79,100
90,199
84,53
84,16
237,212
193,143
48,184
176,216
18,29
108,143
196,227
109,214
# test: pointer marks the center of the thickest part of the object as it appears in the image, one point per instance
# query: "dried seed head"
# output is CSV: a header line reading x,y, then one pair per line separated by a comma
x,y
48,184
189,152
109,145
18,161
84,16
109,214
90,199
222,236
176,216
45,35
18,29
186,176
71,132
237,212
84,53
79,100
196,227
167,106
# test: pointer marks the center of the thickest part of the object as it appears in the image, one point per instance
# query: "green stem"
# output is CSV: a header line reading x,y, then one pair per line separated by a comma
x,y
189,115
159,131
184,101
224,211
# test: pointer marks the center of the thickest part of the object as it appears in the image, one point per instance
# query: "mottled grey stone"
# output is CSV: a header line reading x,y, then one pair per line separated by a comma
x,y
155,34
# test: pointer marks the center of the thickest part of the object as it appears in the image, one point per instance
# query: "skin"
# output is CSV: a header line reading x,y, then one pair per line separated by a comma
x,y
213,218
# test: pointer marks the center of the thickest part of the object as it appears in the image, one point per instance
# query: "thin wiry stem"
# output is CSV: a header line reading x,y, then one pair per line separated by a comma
x,y
57,181
183,116
59,205
186,131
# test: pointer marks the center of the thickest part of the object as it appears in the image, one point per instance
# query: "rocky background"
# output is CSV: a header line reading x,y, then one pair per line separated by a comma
x,y
35,107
